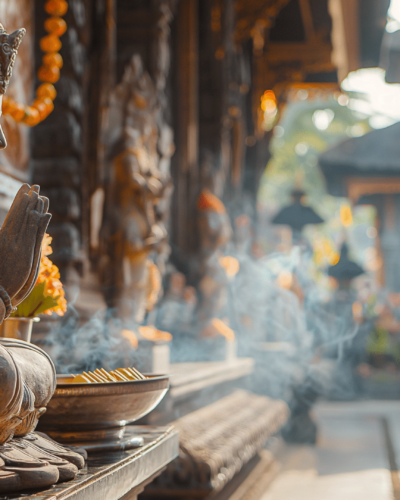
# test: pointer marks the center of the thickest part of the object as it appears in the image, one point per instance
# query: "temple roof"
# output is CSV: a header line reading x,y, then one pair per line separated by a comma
x,y
376,152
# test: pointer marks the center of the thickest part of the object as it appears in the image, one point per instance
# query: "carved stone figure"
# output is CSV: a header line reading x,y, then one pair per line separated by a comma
x,y
27,374
134,232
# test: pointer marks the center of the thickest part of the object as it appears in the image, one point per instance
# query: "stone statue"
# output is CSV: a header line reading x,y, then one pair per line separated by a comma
x,y
134,234
27,374
9,45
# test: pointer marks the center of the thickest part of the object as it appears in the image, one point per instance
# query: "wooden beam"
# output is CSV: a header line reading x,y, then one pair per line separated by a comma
x,y
299,52
345,35
357,187
307,18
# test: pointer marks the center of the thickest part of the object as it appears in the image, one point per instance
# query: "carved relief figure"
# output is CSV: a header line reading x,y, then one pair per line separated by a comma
x,y
134,231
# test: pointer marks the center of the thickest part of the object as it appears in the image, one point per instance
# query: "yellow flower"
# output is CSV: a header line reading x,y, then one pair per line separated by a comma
x,y
46,248
49,274
48,295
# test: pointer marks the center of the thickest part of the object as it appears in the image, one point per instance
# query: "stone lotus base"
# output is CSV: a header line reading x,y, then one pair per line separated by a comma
x,y
36,461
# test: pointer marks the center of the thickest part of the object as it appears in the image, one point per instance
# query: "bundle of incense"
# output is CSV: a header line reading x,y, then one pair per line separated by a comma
x,y
102,376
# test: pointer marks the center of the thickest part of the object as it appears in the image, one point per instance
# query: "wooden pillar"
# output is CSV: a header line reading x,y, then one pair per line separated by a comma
x,y
390,212
380,274
102,78
390,243
186,165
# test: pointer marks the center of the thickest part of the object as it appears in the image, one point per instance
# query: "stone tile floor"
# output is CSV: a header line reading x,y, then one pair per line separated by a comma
x,y
356,457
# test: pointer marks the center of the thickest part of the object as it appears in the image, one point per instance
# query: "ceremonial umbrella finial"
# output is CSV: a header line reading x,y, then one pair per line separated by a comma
x,y
296,215
345,269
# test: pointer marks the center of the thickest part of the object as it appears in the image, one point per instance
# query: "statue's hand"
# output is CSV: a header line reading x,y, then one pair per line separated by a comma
x,y
20,242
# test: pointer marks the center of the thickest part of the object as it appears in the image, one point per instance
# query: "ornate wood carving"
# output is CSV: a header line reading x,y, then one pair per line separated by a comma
x,y
57,143
254,16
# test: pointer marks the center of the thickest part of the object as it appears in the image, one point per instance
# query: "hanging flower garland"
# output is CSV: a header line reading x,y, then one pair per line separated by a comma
x,y
48,73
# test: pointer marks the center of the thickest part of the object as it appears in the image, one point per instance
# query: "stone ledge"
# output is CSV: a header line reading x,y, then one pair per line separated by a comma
x,y
217,441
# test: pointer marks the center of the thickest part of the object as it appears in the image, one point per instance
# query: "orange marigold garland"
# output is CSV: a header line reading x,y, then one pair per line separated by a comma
x,y
48,295
48,73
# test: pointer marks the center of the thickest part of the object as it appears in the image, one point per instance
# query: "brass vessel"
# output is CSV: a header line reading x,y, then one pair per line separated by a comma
x,y
18,328
80,413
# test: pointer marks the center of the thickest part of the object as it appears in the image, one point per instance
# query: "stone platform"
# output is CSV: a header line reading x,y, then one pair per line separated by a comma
x,y
194,385
116,475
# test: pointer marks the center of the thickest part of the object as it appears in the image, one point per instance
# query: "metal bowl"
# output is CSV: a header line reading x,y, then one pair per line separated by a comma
x,y
91,409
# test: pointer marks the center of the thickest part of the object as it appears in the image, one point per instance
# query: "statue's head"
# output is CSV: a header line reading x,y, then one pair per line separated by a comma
x,y
9,45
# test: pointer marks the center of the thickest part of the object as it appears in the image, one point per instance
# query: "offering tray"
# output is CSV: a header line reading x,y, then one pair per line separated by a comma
x,y
94,416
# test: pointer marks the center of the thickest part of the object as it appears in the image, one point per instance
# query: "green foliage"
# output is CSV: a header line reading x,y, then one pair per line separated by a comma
x,y
36,303
296,143
295,147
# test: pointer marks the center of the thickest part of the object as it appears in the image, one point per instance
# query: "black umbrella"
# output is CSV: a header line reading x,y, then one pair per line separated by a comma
x,y
345,269
297,215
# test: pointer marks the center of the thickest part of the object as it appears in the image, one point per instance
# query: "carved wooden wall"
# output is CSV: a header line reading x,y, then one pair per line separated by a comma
x,y
212,82
57,143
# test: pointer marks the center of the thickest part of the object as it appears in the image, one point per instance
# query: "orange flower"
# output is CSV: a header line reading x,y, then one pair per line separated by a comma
x,y
53,287
46,248
50,275
208,201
